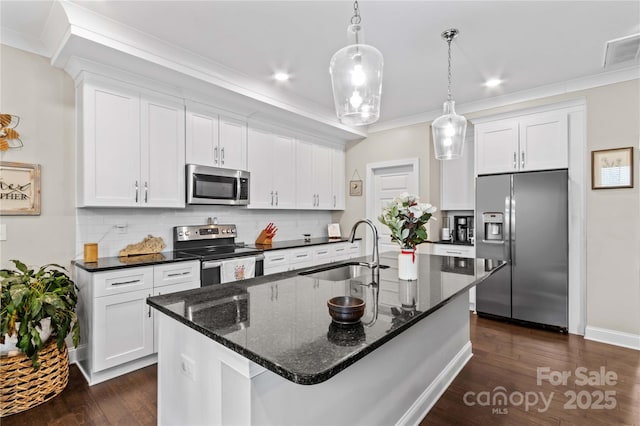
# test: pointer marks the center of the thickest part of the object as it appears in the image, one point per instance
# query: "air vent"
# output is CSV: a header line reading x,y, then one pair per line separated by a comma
x,y
622,50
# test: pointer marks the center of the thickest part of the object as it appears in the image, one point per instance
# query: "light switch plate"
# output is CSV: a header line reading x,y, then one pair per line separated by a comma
x,y
3,232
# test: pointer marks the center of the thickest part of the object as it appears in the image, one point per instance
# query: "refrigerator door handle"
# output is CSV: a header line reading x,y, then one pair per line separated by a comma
x,y
506,234
515,160
512,228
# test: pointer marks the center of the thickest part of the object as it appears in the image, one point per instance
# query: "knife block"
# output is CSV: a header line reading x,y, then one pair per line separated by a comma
x,y
264,238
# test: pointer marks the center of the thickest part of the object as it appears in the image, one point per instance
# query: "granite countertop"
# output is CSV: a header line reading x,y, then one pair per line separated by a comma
x,y
281,321
280,245
109,263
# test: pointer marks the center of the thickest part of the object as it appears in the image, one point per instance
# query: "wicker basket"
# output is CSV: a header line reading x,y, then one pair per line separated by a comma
x,y
22,387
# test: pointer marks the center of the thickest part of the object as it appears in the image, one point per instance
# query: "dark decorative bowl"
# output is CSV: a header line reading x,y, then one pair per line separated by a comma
x,y
346,309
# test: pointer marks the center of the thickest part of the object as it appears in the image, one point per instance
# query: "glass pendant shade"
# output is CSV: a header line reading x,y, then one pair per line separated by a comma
x,y
449,131
356,77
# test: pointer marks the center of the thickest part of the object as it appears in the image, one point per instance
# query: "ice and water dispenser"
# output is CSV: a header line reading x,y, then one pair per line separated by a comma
x,y
493,224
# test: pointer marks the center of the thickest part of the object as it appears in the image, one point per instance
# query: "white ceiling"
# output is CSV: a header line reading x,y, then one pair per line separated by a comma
x,y
527,44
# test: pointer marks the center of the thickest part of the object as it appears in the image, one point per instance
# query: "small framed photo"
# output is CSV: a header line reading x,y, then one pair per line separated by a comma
x,y
355,188
19,189
612,168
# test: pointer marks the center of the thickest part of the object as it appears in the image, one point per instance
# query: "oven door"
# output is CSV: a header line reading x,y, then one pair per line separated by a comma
x,y
211,271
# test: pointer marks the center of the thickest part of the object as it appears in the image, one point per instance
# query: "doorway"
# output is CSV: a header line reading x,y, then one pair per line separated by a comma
x,y
385,181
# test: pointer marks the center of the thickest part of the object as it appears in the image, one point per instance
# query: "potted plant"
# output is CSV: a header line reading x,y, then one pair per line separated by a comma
x,y
407,219
32,298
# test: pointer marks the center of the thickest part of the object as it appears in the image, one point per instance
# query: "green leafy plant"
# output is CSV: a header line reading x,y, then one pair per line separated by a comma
x,y
407,219
28,297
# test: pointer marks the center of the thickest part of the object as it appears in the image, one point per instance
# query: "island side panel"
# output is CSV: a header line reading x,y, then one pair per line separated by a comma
x,y
203,382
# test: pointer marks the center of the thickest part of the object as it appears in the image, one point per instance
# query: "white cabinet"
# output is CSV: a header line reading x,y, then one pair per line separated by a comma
x,y
276,261
537,141
304,257
130,146
313,177
454,250
117,323
338,179
320,178
215,140
271,160
457,190
339,252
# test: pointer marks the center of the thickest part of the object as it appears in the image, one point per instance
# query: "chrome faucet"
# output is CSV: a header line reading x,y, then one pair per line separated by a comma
x,y
375,261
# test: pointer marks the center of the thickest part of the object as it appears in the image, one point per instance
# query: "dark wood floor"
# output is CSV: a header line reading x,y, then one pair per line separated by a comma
x,y
504,355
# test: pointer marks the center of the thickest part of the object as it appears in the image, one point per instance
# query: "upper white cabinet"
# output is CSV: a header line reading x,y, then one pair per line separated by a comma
x,y
338,179
271,160
457,190
537,141
130,146
313,177
215,140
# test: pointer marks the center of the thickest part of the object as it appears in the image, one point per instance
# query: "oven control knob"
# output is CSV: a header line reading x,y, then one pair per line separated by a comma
x,y
187,233
180,234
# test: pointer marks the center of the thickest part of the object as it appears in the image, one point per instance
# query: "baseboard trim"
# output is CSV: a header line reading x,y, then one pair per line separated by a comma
x,y
612,337
432,394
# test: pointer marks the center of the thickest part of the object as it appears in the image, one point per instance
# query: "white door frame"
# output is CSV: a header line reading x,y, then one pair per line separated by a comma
x,y
369,187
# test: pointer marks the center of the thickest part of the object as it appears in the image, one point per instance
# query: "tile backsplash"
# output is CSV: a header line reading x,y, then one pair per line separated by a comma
x,y
114,228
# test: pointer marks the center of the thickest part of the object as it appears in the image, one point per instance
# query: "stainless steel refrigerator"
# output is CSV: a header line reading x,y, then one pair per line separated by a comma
x,y
522,218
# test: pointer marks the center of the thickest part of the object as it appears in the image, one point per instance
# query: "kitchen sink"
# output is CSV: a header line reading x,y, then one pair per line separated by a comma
x,y
340,272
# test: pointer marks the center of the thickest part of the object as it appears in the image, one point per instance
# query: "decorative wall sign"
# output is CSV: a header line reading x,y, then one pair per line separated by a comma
x,y
19,188
612,168
355,188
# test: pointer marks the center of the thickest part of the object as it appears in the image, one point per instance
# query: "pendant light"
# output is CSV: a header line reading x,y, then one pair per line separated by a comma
x,y
356,77
450,128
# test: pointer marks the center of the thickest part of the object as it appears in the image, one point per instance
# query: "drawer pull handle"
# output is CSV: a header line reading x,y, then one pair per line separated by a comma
x,y
149,309
179,274
126,282
453,252
301,255
323,252
277,258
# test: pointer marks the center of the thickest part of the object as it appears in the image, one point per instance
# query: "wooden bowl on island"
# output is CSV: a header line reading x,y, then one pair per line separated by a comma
x,y
346,309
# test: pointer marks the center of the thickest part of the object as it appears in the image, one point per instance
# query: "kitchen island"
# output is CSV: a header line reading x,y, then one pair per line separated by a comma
x,y
265,351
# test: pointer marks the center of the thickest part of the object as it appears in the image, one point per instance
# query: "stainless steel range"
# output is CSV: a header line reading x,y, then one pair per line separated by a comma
x,y
222,260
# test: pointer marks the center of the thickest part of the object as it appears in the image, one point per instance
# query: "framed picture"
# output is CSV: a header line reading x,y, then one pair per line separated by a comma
x,y
355,188
612,168
19,188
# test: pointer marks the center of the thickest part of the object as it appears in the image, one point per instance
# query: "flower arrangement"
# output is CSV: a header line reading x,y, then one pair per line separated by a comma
x,y
407,218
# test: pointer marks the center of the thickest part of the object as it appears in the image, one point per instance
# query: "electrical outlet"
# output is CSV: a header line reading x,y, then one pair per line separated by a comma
x,y
188,367
121,229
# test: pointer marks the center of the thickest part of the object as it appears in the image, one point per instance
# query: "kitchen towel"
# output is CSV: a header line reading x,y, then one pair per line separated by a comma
x,y
237,269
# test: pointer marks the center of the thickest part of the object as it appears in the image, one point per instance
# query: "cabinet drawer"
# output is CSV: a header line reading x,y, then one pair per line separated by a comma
x,y
123,281
339,249
175,273
322,254
277,258
453,250
300,256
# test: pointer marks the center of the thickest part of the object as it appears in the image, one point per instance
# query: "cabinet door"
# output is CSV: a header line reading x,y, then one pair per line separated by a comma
x,y
457,191
233,144
163,145
202,137
544,142
168,289
305,194
282,168
109,149
124,329
322,158
338,179
497,147
260,157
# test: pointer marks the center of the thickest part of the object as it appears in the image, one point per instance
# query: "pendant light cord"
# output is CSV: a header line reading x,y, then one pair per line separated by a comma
x,y
449,72
355,19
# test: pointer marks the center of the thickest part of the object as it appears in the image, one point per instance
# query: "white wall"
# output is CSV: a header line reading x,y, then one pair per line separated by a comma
x,y
43,98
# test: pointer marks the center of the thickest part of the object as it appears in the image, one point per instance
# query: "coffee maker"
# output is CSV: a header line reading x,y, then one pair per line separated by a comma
x,y
463,229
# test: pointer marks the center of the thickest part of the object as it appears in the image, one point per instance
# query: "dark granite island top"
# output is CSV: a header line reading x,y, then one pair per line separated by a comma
x,y
281,321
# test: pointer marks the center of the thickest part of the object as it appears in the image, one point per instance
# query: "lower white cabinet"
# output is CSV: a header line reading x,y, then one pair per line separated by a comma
x,y
116,323
123,329
283,260
454,250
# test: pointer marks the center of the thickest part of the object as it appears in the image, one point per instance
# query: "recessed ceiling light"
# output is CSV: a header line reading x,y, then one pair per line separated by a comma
x,y
494,82
281,76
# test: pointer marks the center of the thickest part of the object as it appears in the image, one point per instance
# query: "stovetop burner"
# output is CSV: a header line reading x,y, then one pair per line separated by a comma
x,y
209,242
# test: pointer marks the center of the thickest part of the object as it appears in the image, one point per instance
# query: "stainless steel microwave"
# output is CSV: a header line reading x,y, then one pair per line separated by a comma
x,y
214,185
